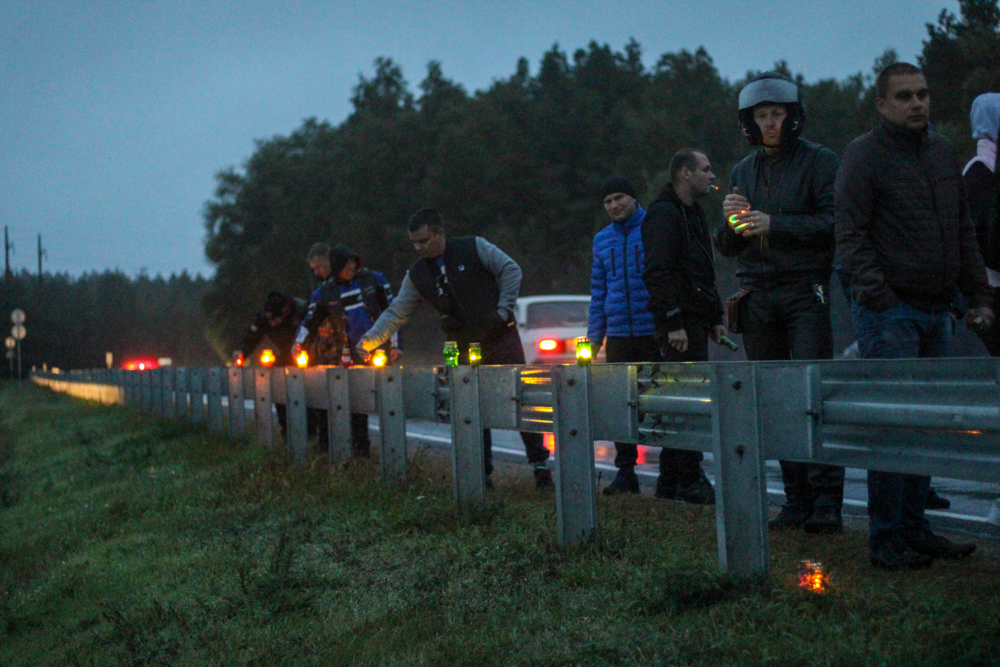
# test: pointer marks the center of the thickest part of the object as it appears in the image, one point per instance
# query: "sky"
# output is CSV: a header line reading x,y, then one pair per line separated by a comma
x,y
115,117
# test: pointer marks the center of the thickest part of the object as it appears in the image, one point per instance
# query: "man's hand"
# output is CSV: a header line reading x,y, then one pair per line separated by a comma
x,y
394,355
678,340
979,319
735,203
751,223
361,348
717,332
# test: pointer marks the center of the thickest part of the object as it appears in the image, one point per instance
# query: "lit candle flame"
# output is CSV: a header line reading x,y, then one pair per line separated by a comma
x,y
302,360
267,358
379,358
812,577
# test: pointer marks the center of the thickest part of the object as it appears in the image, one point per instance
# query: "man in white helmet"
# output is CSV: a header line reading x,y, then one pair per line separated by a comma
x,y
780,220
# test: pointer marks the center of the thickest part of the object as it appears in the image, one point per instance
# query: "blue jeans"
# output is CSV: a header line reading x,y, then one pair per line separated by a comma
x,y
896,501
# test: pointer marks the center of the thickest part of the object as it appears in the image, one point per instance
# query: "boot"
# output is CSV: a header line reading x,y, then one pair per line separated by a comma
x,y
925,542
666,487
825,520
790,516
700,492
624,482
543,478
890,552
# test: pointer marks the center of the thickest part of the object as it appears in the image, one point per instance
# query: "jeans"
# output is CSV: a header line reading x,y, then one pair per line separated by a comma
x,y
791,321
896,501
677,466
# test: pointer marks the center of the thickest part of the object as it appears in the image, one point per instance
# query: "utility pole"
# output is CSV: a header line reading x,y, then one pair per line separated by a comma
x,y
40,253
7,247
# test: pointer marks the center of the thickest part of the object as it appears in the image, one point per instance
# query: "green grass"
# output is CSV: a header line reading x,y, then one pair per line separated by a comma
x,y
125,540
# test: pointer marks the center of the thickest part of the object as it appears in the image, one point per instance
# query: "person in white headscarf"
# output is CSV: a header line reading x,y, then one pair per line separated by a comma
x,y
982,185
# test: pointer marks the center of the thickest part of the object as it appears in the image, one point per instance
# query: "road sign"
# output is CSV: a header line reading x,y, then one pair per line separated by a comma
x,y
17,316
18,331
10,342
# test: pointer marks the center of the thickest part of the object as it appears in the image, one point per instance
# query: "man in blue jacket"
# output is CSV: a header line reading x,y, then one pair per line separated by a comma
x,y
619,311
344,306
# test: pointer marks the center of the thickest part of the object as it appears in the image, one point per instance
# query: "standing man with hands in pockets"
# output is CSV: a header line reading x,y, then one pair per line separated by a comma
x,y
780,225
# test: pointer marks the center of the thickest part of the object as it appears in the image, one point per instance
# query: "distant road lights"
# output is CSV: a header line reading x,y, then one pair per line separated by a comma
x,y
10,342
267,358
583,351
379,358
302,359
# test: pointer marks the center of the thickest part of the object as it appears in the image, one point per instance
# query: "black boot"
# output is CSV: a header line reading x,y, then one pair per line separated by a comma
x,y
624,482
936,502
825,520
790,516
543,478
925,542
890,552
699,492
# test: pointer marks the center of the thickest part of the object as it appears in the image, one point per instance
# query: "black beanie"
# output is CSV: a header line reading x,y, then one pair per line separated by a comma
x,y
339,254
617,184
277,304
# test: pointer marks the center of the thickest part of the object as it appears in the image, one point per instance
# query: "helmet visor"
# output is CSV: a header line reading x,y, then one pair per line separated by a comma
x,y
775,91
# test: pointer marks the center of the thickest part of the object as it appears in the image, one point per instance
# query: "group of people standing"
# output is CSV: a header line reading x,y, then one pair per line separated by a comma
x,y
892,215
907,234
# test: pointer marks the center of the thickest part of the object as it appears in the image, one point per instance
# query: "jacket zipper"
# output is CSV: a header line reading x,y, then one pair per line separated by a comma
x,y
628,293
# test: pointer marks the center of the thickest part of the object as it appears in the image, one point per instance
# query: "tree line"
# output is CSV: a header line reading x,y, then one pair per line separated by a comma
x,y
73,322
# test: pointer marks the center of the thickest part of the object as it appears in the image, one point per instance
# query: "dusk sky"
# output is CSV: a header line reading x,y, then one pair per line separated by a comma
x,y
116,116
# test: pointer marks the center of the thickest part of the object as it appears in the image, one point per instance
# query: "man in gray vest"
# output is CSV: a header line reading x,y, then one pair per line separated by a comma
x,y
473,285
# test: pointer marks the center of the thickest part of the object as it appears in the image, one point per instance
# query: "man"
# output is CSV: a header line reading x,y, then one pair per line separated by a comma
x,y
618,303
907,243
680,277
344,306
473,285
780,214
278,321
982,186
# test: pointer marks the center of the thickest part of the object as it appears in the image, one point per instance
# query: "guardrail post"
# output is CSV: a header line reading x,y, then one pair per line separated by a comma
x,y
214,399
146,390
167,392
338,415
576,502
467,438
295,411
262,406
182,379
237,412
741,482
392,425
197,379
156,383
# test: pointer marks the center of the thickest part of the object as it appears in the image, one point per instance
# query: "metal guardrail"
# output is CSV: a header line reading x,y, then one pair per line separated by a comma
x,y
927,416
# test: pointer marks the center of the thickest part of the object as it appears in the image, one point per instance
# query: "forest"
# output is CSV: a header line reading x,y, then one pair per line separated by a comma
x,y
520,163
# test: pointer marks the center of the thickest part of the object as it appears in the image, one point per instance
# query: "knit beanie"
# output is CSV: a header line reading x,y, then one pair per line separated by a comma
x,y
617,184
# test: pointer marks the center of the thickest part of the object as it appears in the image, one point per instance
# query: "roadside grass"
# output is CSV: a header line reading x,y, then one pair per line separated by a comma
x,y
128,540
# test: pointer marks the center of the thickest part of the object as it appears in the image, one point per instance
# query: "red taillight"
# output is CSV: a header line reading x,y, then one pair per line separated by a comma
x,y
551,346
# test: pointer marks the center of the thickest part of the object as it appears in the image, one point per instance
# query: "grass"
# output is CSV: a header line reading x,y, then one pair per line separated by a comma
x,y
126,540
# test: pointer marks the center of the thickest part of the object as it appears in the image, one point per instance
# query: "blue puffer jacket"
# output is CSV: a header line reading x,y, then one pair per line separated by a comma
x,y
618,297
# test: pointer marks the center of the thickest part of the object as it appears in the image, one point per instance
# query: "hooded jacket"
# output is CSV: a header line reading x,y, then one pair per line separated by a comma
x,y
903,226
679,275
619,302
793,185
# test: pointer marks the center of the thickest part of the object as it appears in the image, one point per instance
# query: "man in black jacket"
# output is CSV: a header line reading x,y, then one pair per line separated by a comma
x,y
780,225
907,243
474,286
278,320
680,278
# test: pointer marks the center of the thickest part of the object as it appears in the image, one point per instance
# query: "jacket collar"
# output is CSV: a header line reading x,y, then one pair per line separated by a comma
x,y
634,221
668,193
900,136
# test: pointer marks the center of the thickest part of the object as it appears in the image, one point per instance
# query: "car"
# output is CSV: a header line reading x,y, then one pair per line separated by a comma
x,y
549,326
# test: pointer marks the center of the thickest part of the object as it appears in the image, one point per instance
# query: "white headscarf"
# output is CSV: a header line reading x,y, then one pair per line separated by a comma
x,y
985,119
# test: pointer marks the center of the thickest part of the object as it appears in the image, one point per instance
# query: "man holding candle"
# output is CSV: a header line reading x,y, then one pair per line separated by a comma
x,y
780,225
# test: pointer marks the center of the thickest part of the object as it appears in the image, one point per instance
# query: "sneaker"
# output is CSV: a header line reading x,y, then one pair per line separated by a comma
x,y
666,488
825,520
936,502
543,479
927,543
698,493
892,553
790,516
624,482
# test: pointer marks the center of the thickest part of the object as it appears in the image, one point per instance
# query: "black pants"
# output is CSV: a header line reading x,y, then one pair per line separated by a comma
x,y
677,466
790,321
507,350
360,443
